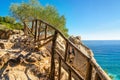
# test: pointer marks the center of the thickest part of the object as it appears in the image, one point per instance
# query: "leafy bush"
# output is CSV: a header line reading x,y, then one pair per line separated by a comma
x,y
10,26
9,20
18,26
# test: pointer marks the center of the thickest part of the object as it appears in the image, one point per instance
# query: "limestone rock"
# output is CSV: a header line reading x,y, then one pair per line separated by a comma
x,y
2,46
76,40
31,59
5,34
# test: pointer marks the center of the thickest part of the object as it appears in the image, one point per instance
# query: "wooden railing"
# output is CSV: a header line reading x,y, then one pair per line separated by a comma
x,y
79,64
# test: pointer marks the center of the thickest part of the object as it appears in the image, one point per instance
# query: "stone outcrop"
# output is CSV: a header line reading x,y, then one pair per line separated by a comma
x,y
76,40
5,34
14,65
2,46
20,60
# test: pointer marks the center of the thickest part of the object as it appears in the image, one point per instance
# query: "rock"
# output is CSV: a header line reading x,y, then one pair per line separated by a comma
x,y
4,57
14,62
5,34
39,58
78,37
15,75
2,46
31,59
76,40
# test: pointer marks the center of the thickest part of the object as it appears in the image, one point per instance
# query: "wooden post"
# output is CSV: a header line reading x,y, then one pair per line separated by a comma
x,y
46,31
25,28
35,37
89,72
32,29
70,77
66,51
52,75
59,71
39,30
97,77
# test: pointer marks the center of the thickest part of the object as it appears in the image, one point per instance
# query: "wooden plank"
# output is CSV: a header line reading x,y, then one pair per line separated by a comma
x,y
52,73
45,31
66,51
89,72
59,71
69,77
32,29
97,77
49,37
35,37
39,30
45,43
74,71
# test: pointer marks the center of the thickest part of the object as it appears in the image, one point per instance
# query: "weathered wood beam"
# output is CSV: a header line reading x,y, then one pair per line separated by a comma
x,y
39,28
89,72
97,77
69,77
59,69
49,37
45,31
35,37
52,73
66,51
32,29
73,70
45,43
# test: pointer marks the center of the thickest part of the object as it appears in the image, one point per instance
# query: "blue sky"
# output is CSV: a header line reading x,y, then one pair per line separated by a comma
x,y
91,19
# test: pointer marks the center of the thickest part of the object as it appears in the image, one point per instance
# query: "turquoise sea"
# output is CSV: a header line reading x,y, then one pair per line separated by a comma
x,y
107,54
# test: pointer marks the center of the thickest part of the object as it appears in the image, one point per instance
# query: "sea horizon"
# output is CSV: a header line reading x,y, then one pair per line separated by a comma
x,y
100,40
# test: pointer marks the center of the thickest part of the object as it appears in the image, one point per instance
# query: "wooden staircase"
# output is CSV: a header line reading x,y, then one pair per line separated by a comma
x,y
79,63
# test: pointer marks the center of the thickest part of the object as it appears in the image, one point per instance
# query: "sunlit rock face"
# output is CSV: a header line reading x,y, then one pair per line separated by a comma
x,y
21,60
76,40
2,46
5,34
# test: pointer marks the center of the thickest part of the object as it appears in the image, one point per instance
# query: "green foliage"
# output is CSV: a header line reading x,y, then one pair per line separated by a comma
x,y
1,19
9,23
18,26
20,12
33,9
9,20
10,26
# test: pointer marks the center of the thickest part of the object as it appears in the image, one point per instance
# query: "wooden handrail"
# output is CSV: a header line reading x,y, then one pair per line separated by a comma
x,y
91,62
